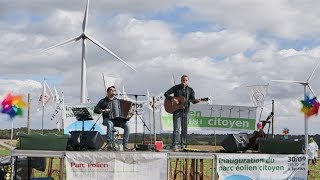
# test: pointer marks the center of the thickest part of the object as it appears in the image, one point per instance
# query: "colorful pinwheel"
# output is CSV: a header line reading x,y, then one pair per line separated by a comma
x,y
310,106
13,105
285,131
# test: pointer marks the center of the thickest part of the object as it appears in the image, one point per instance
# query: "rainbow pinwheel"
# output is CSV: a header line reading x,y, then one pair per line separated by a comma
x,y
310,106
13,105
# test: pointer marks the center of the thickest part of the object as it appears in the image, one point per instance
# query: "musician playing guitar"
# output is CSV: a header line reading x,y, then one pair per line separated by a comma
x,y
109,107
180,116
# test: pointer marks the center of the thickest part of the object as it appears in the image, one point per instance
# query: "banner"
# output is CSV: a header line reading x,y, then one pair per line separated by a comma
x,y
115,165
262,166
209,117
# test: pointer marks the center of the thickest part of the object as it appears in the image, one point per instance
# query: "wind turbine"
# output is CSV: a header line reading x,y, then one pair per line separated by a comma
x,y
84,36
305,84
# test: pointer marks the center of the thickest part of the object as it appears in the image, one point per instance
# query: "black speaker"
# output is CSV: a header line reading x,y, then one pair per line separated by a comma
x,y
281,146
235,142
86,140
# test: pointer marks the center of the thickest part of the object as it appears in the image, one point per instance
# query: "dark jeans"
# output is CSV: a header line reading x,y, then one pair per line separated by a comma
x,y
180,120
117,122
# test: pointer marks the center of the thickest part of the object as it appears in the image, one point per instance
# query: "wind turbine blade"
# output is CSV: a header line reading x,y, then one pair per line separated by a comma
x,y
109,51
313,72
311,90
288,81
63,43
85,18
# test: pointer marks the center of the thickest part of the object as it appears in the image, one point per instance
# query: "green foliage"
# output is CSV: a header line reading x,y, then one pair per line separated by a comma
x,y
4,152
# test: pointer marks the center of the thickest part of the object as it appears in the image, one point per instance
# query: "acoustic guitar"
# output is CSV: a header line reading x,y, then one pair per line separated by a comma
x,y
170,106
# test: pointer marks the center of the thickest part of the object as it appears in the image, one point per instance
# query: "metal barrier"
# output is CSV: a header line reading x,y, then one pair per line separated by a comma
x,y
191,165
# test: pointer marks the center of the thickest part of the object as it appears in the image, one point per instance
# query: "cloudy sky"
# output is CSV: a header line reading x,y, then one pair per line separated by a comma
x,y
224,46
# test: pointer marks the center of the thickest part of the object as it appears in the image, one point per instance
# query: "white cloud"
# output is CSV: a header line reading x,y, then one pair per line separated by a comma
x,y
221,43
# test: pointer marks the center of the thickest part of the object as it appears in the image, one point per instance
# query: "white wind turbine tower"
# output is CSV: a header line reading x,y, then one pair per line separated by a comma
x,y
305,84
84,36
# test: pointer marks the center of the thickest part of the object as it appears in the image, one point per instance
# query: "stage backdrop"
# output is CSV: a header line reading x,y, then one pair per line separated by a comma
x,y
114,165
219,117
261,166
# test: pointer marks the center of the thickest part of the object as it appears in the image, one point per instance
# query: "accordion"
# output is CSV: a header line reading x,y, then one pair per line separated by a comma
x,y
126,109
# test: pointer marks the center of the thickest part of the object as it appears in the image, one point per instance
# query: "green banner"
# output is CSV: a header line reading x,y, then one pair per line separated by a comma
x,y
213,122
225,118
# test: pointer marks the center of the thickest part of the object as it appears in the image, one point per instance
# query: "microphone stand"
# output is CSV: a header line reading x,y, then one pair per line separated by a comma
x,y
144,126
94,125
136,112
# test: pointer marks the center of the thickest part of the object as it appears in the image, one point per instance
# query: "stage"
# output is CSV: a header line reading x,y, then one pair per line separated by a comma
x,y
172,165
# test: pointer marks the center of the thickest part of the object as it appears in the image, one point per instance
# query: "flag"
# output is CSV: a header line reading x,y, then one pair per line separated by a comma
x,y
46,95
87,96
108,81
149,100
257,94
59,108
173,82
123,95
56,97
157,103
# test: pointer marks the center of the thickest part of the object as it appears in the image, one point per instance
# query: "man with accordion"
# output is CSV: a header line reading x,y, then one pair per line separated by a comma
x,y
115,113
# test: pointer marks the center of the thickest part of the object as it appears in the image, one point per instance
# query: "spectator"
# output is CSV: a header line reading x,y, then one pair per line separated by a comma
x,y
312,151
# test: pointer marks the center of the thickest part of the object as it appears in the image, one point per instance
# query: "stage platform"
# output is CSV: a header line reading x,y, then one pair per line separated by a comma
x,y
171,165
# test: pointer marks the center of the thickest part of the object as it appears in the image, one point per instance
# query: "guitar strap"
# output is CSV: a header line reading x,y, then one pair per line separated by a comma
x,y
187,98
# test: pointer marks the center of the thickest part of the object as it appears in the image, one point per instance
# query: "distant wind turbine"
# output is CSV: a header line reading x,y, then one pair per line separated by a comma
x,y
305,84
84,36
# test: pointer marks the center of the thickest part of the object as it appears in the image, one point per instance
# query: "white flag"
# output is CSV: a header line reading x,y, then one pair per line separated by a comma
x,y
108,81
46,95
157,103
257,94
87,96
59,108
56,97
123,95
173,82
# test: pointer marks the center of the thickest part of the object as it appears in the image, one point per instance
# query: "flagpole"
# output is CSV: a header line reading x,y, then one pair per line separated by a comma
x,y
104,82
42,99
11,148
62,113
28,119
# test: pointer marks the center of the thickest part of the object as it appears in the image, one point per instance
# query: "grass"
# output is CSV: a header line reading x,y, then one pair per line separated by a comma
x,y
4,152
314,172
